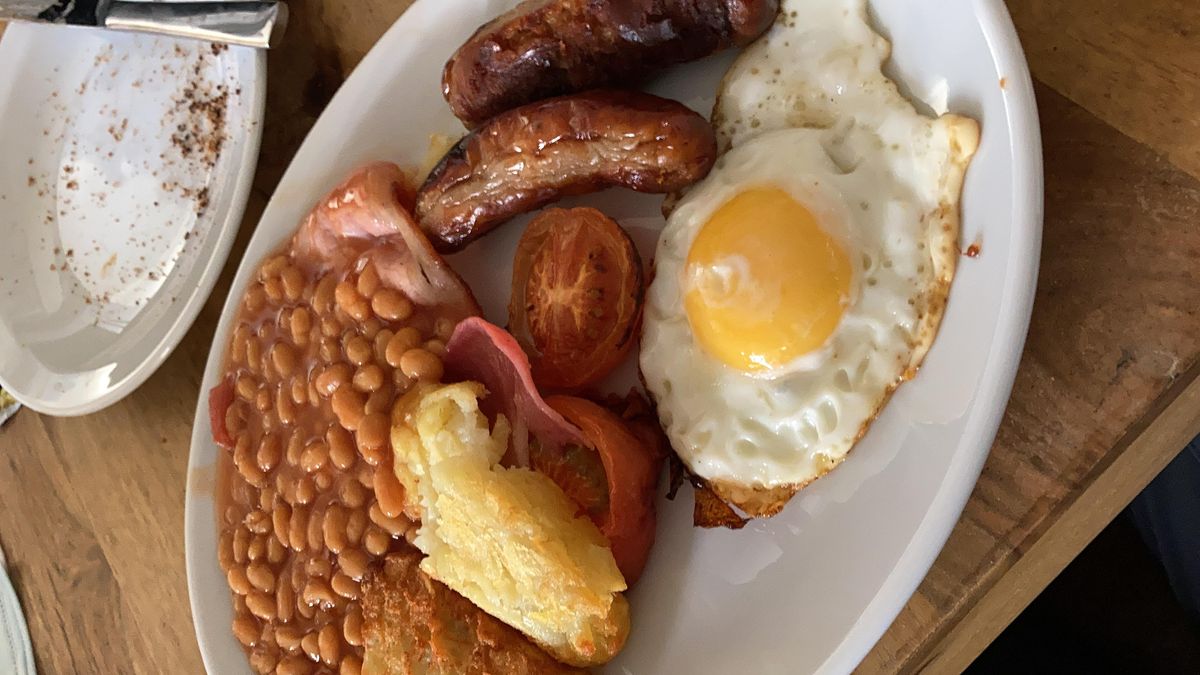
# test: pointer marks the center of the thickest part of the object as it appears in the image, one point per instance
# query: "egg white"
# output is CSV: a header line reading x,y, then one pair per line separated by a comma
x,y
808,110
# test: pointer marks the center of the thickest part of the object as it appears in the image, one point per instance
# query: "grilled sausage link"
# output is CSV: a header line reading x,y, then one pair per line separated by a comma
x,y
533,155
544,48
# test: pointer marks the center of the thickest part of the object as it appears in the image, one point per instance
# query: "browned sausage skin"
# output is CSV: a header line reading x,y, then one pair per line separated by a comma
x,y
545,48
533,155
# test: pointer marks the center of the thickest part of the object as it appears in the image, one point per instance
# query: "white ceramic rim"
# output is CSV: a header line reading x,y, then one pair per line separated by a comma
x,y
996,381
228,226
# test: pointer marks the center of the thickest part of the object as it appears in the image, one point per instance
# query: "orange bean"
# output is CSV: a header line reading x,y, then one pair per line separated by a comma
x,y
392,305
334,528
274,289
360,311
248,468
330,643
295,447
264,660
276,551
396,526
246,630
373,431
241,544
272,266
318,566
306,610
261,576
344,586
401,381
376,541
255,299
281,521
293,283
341,447
258,548
283,318
294,665
353,562
403,340
330,326
332,378
254,352
444,328
258,521
236,576
358,350
301,326
324,295
288,637
346,296
284,407
262,400
284,359
314,457
310,645
420,364
266,498
300,389
306,490
380,400
351,665
368,281
352,493
237,343
269,452
356,525
435,347
298,528
247,388
317,593
373,457
235,417
348,405
315,535
261,605
370,327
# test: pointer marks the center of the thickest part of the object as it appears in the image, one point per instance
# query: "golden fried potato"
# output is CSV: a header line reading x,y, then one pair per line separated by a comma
x,y
507,539
415,625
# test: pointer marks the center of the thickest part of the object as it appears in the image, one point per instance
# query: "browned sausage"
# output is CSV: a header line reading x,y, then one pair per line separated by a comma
x,y
528,157
545,48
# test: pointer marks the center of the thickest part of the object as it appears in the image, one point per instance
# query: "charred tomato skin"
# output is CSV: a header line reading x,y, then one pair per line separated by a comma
x,y
577,295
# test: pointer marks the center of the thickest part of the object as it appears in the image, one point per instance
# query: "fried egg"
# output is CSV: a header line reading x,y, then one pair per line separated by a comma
x,y
805,277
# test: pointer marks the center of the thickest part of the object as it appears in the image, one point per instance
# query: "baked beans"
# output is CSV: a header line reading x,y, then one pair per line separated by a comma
x,y
316,361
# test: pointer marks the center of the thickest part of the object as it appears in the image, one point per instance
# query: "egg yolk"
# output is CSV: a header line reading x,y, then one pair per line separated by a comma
x,y
765,283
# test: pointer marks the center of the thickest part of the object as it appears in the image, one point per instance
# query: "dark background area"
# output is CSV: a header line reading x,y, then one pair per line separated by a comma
x,y
1110,611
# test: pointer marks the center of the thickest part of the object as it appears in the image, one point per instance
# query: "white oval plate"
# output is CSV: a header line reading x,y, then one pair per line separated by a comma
x,y
812,589
127,164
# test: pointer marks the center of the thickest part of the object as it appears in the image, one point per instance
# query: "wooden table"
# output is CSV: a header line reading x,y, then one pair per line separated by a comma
x,y
1108,390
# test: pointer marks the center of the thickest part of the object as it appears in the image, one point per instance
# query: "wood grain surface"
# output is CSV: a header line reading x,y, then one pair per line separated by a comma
x,y
91,509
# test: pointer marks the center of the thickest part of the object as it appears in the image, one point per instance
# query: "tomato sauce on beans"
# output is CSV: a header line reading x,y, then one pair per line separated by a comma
x,y
307,498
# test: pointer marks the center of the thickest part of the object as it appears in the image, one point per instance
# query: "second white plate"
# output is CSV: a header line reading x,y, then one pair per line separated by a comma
x,y
127,165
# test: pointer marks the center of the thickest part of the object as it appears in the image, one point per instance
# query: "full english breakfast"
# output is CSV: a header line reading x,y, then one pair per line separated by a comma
x,y
409,488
